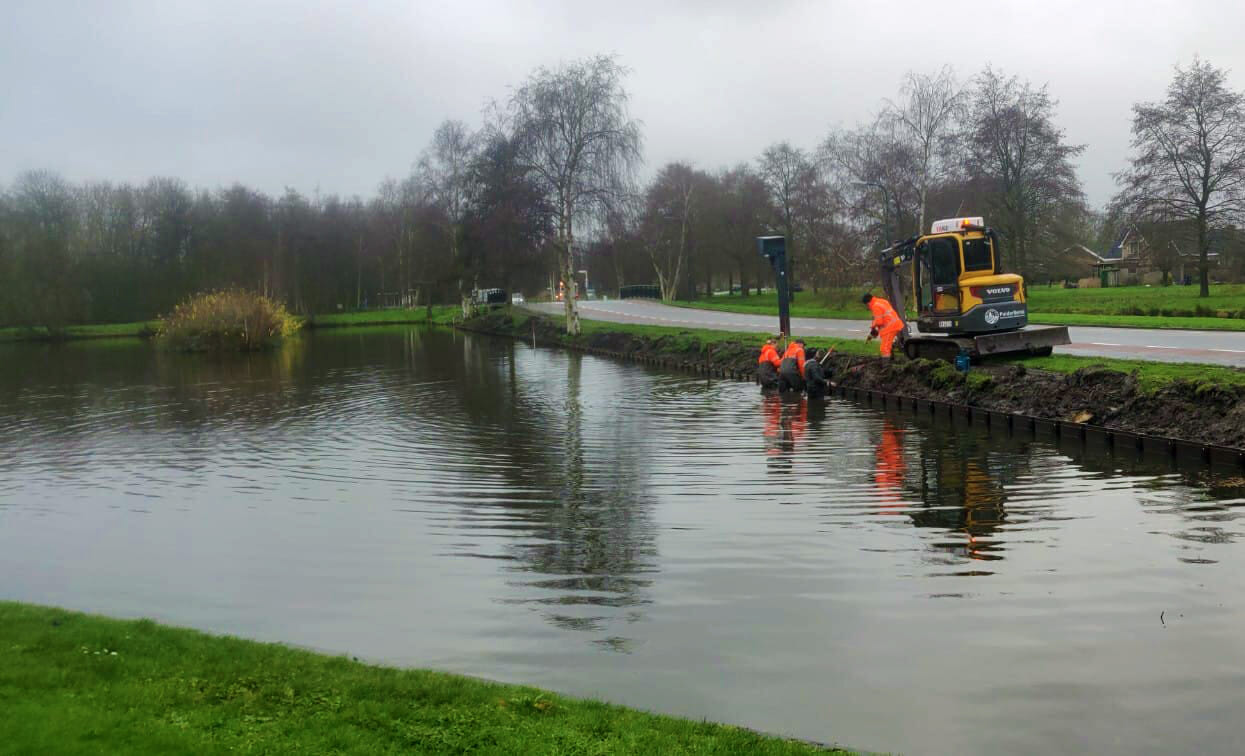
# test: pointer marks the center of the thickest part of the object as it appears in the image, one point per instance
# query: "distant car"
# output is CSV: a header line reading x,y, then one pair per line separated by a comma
x,y
516,298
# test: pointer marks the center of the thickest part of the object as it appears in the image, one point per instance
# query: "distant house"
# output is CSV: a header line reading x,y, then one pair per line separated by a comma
x,y
1134,260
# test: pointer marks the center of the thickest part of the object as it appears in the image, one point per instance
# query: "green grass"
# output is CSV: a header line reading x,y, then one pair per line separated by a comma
x,y
1150,375
1130,306
1152,301
101,331
75,683
441,315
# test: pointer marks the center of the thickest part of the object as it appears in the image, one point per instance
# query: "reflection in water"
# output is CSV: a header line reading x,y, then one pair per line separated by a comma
x,y
890,468
961,490
444,499
786,423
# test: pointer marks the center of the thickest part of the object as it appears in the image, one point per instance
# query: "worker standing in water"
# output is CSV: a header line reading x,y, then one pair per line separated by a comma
x,y
815,380
767,366
791,369
886,322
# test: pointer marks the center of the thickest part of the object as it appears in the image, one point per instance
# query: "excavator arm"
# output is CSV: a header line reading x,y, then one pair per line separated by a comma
x,y
891,262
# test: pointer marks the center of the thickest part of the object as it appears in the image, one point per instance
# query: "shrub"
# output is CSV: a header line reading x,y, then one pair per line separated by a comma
x,y
230,321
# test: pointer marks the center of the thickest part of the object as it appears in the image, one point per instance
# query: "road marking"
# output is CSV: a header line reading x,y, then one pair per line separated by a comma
x,y
1233,351
1103,343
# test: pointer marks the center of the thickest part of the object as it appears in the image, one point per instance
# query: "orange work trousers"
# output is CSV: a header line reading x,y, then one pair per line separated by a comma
x,y
887,336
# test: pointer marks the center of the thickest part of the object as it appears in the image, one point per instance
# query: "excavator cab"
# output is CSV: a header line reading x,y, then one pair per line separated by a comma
x,y
956,284
960,294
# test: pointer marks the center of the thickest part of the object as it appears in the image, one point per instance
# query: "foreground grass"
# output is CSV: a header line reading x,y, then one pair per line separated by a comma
x,y
1151,376
74,683
1126,307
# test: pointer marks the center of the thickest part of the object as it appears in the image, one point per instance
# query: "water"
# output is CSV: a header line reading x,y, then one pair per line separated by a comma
x,y
820,570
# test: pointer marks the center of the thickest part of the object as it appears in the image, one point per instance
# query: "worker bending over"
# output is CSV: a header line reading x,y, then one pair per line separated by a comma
x,y
767,366
886,322
791,369
815,380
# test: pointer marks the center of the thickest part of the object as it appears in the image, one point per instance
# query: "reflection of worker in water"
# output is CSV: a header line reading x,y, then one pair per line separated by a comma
x,y
791,369
888,474
786,422
886,322
767,366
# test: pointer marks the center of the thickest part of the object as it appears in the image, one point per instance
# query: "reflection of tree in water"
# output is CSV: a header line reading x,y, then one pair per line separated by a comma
x,y
578,498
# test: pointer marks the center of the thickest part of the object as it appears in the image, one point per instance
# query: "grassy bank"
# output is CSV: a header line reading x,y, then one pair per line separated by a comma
x,y
141,329
75,683
1127,307
1200,403
1150,375
440,315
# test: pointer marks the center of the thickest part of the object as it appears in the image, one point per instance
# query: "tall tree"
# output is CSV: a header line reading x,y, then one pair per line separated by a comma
x,y
447,170
1015,150
926,111
670,204
876,170
783,168
1190,157
576,137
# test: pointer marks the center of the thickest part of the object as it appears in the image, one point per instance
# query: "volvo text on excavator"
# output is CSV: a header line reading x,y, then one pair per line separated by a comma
x,y
962,298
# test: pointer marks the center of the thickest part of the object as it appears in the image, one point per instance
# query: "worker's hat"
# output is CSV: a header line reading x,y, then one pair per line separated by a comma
x,y
866,297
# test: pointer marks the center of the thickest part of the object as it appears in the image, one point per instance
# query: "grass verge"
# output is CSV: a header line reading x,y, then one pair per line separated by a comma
x,y
141,329
1151,376
1173,307
438,315
441,315
76,683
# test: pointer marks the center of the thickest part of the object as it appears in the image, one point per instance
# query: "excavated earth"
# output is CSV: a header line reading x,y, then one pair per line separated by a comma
x,y
1201,412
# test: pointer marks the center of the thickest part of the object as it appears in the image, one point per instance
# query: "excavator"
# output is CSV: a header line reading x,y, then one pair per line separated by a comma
x,y
963,300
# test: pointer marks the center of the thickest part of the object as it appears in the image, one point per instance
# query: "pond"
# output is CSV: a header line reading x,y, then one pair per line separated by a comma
x,y
824,570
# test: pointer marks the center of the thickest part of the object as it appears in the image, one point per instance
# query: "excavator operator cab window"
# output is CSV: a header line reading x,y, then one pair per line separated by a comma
x,y
944,261
977,255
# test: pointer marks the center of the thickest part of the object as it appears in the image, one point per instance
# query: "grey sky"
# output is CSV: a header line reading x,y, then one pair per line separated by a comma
x,y
339,95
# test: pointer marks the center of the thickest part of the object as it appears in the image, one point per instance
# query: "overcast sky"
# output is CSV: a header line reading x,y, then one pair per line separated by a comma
x,y
337,96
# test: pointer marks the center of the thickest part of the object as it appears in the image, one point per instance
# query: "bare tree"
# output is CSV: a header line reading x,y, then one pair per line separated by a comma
x,y
446,171
669,206
576,137
927,111
876,170
1018,155
1190,157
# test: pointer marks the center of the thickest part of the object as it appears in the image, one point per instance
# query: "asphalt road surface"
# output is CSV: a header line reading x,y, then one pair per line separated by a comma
x,y
1213,347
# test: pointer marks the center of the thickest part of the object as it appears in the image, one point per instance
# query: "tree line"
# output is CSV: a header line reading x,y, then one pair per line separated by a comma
x,y
543,196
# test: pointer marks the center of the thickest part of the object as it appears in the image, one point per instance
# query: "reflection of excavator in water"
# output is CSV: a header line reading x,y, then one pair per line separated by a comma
x,y
963,300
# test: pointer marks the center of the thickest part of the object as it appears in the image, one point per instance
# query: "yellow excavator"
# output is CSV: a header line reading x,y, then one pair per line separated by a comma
x,y
964,302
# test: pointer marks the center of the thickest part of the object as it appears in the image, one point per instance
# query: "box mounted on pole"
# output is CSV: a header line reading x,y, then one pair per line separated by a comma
x,y
774,249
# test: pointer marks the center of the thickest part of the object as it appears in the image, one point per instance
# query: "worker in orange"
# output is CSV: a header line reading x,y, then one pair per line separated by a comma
x,y
886,322
791,369
767,366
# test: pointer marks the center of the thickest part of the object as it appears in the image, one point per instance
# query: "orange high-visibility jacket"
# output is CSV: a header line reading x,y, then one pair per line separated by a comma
x,y
796,351
884,316
769,354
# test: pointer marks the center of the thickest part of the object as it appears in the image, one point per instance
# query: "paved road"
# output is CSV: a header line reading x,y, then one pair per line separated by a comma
x,y
1214,347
